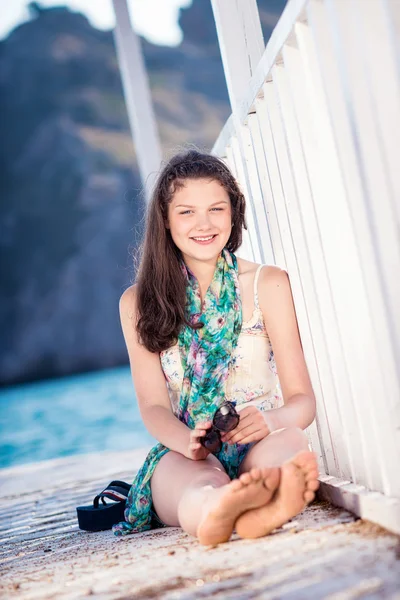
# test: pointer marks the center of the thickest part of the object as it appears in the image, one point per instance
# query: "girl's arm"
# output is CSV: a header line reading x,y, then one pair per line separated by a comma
x,y
149,383
276,303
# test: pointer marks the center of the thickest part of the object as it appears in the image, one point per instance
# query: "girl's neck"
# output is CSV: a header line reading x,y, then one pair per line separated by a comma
x,y
203,271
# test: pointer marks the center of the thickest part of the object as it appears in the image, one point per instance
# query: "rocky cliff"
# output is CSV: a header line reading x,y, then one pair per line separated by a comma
x,y
71,211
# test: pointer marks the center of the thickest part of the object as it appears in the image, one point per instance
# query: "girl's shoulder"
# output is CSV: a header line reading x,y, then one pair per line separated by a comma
x,y
269,275
128,302
246,267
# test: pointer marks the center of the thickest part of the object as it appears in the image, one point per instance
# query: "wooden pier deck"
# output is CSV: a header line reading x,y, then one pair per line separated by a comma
x,y
323,553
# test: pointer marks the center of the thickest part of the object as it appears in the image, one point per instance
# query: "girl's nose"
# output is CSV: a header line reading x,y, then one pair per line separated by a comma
x,y
203,221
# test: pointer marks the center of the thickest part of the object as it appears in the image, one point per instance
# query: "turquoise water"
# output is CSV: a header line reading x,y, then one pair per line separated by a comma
x,y
72,415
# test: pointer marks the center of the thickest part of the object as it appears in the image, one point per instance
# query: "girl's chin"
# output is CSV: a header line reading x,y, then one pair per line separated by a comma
x,y
203,252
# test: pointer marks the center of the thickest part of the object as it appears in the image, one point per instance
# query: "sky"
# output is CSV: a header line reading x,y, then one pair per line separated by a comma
x,y
161,30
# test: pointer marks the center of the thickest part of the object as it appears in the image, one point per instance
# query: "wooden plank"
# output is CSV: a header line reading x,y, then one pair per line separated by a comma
x,y
372,506
75,471
58,560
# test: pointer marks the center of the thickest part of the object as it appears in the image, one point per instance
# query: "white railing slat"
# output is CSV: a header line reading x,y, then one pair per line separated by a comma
x,y
298,264
375,352
246,248
137,97
257,131
256,194
349,52
314,135
312,141
250,217
340,255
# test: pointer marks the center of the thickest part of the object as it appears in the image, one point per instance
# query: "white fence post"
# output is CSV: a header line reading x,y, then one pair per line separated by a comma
x,y
313,140
137,97
348,164
242,44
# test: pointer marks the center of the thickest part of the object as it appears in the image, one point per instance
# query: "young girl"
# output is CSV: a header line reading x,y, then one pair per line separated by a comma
x,y
199,326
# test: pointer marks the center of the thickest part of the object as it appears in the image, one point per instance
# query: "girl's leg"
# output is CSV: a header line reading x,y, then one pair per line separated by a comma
x,y
199,496
287,448
277,448
174,475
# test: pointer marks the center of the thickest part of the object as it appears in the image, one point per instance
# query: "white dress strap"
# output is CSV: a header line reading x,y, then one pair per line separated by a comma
x,y
255,286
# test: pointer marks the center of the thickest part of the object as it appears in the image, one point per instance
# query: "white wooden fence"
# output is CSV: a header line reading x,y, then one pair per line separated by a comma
x,y
313,141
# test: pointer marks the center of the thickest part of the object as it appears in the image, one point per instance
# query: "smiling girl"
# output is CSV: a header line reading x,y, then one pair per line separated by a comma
x,y
218,368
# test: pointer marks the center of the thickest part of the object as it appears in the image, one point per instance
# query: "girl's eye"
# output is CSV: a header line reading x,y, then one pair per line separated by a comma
x,y
185,212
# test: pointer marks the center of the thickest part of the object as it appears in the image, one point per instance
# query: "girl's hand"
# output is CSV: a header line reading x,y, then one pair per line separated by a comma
x,y
196,451
252,427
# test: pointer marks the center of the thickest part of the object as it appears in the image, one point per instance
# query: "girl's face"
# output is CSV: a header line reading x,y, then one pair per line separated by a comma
x,y
200,219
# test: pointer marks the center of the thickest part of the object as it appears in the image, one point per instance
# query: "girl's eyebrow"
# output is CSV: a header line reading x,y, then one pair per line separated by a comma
x,y
190,206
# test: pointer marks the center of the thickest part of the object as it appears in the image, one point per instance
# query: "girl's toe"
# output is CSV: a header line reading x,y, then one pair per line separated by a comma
x,y
245,478
236,484
309,496
255,473
313,474
313,485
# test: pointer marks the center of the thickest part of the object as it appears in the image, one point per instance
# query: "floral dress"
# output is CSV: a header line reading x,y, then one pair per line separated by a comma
x,y
226,359
252,379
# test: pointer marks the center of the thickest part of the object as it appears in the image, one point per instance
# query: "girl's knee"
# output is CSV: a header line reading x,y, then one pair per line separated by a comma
x,y
294,437
214,477
297,438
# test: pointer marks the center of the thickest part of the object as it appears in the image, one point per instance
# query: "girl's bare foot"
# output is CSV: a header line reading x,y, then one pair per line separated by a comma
x,y
250,491
307,462
298,484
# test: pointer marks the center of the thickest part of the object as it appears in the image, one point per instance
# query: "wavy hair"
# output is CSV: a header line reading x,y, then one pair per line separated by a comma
x,y
160,282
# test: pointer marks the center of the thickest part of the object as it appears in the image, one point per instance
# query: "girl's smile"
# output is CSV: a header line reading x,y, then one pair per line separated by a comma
x,y
204,240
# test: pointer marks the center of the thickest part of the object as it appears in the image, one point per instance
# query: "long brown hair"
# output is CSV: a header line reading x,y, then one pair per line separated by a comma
x,y
161,285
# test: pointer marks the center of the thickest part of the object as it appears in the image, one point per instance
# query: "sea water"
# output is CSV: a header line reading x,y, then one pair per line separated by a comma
x,y
71,415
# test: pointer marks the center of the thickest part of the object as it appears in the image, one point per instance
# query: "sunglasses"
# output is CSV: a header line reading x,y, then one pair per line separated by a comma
x,y
225,419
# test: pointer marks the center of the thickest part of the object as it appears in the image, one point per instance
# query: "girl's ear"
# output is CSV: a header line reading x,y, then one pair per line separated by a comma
x,y
166,224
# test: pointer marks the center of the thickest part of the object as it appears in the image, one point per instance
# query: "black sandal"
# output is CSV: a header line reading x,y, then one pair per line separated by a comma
x,y
103,516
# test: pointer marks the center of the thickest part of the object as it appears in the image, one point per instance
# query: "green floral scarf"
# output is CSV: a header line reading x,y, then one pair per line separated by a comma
x,y
206,354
